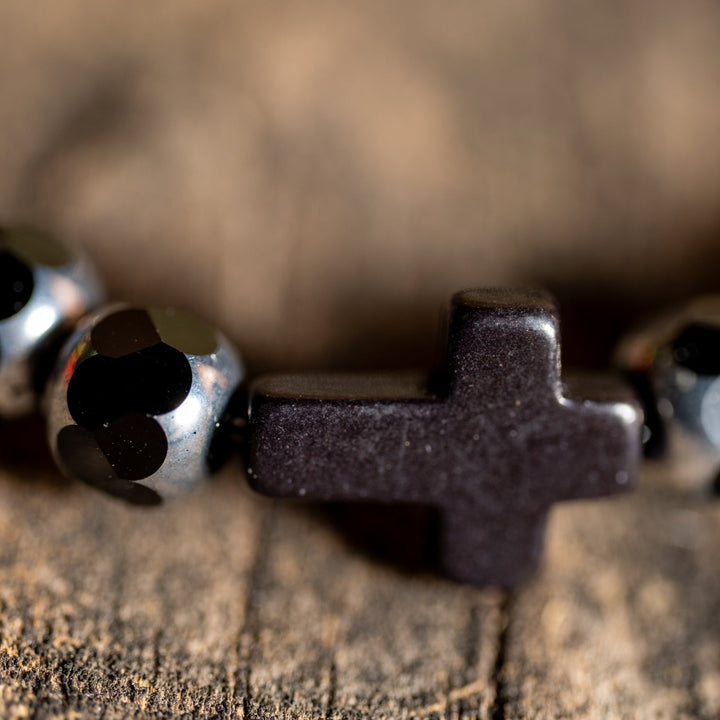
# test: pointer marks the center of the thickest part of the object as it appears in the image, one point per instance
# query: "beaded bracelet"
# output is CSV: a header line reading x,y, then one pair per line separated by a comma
x,y
146,404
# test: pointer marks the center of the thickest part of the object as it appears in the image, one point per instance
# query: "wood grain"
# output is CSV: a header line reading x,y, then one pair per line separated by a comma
x,y
624,622
226,604
222,605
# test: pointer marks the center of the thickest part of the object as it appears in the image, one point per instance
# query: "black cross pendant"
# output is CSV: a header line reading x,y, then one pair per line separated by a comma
x,y
491,442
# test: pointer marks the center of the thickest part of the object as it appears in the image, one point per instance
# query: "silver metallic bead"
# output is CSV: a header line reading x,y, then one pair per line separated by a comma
x,y
137,400
44,290
675,362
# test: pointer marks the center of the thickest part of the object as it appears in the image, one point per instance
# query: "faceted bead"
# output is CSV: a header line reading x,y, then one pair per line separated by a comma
x,y
138,401
44,290
675,363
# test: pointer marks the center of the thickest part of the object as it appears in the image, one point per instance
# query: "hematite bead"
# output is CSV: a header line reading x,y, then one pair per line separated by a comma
x,y
137,401
675,363
44,290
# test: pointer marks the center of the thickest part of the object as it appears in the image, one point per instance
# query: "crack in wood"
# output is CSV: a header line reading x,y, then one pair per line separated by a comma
x,y
250,630
332,691
499,706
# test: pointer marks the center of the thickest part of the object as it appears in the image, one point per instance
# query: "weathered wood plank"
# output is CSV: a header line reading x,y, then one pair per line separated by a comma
x,y
365,638
228,605
624,621
221,605
106,609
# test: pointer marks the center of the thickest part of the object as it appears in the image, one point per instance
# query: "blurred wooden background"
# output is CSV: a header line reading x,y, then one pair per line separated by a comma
x,y
318,178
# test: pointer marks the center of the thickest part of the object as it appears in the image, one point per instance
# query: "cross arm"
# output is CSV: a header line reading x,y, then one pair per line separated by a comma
x,y
339,436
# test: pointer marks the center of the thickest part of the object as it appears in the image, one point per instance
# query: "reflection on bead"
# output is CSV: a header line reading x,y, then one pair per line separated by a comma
x,y
44,290
675,364
137,400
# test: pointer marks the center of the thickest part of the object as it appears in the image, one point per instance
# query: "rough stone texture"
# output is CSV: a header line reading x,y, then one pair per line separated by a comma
x,y
318,178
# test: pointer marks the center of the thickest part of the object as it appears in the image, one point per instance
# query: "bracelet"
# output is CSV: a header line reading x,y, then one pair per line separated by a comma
x,y
145,404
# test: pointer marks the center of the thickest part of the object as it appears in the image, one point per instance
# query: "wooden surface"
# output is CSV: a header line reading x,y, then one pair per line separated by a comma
x,y
318,178
226,604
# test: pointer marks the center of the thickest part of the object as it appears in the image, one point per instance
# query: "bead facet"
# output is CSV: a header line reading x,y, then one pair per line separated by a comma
x,y
44,290
675,362
137,400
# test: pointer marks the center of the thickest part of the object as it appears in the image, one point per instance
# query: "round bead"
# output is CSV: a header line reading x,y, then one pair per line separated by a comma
x,y
44,290
675,363
137,402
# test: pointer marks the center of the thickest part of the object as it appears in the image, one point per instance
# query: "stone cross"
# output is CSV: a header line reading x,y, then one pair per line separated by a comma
x,y
491,442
